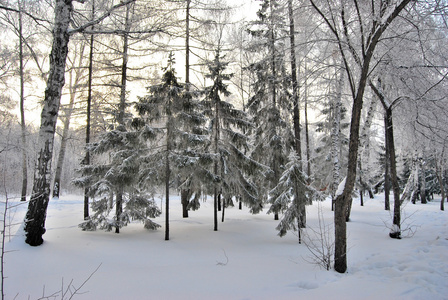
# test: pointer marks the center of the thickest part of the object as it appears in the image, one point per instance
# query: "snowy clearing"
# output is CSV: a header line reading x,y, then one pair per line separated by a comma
x,y
245,259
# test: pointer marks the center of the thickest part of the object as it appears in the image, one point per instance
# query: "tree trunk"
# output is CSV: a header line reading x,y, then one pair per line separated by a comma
x,y
386,169
216,200
296,113
335,133
396,231
295,85
61,156
22,111
118,209
37,208
442,187
307,136
390,147
122,104
215,209
187,44
88,115
223,210
423,197
184,198
73,87
343,200
186,193
167,192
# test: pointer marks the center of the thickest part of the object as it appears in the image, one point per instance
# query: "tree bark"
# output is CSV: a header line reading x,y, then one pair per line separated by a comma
x,y
122,104
422,177
37,208
216,199
88,114
118,208
439,173
215,209
335,133
186,193
185,197
295,85
167,191
223,210
386,169
396,232
296,113
22,111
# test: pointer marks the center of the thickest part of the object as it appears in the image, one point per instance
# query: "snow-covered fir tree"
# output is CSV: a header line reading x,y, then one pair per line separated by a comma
x,y
331,151
170,112
231,168
270,106
291,195
114,182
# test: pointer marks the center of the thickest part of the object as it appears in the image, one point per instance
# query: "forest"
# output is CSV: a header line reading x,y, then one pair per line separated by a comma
x,y
271,105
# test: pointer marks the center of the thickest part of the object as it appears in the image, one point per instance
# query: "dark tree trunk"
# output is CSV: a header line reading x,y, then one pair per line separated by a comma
x,y
184,198
219,202
295,85
187,44
442,187
223,211
215,210
396,233
422,177
349,209
22,111
186,193
344,200
122,104
390,150
386,170
118,209
37,208
296,113
88,115
167,193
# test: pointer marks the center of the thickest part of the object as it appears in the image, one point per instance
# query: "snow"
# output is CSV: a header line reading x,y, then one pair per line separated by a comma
x,y
341,187
245,259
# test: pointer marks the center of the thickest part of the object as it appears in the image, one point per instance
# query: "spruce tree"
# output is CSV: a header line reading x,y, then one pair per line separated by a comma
x,y
269,107
115,182
232,168
290,196
170,112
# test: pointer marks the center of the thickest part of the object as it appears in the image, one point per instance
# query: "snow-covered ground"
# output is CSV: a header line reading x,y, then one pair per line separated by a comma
x,y
245,259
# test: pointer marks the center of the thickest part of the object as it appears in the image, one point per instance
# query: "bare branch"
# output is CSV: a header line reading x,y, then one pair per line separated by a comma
x,y
101,18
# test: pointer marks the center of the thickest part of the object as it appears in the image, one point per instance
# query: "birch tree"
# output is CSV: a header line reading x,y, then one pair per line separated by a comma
x,y
37,208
